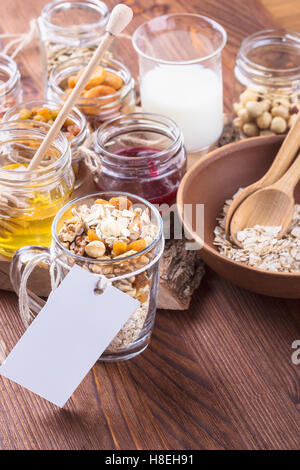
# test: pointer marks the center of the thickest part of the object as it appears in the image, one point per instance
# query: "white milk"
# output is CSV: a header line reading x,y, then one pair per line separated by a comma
x,y
192,96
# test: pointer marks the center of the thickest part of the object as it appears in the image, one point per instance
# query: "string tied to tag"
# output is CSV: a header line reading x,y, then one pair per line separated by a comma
x,y
56,276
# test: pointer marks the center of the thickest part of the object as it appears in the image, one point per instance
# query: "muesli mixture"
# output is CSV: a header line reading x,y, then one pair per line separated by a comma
x,y
261,246
114,230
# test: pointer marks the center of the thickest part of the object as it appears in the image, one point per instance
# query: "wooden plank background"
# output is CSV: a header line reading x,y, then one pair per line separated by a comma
x,y
218,376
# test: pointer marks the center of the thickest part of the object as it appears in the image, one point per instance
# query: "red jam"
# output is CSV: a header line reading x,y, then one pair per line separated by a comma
x,y
151,179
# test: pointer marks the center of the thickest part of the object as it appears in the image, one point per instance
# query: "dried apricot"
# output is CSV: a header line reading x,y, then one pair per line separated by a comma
x,y
142,297
96,78
119,247
99,91
92,235
40,118
45,112
113,80
101,201
120,203
137,245
24,114
72,80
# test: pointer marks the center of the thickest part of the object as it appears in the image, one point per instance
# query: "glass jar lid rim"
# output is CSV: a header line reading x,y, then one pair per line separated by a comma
x,y
27,175
9,84
46,14
269,33
119,93
180,62
158,154
40,102
105,261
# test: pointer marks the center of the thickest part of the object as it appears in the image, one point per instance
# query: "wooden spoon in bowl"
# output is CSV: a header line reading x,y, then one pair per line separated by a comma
x,y
282,161
272,206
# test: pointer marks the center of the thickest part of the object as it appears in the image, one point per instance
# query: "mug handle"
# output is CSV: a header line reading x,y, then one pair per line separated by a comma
x,y
18,277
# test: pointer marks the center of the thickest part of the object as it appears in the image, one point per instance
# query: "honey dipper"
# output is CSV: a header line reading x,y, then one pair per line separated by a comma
x,y
120,17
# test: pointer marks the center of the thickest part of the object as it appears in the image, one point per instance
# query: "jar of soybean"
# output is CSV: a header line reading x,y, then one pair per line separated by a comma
x,y
267,89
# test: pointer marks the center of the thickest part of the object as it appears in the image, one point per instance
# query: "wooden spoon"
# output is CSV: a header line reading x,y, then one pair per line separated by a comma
x,y
279,166
272,206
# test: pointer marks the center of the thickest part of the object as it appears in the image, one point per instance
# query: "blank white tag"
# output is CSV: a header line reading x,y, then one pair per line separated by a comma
x,y
68,336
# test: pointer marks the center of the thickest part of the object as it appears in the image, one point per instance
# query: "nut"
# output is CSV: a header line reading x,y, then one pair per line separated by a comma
x,y
248,95
244,115
250,129
95,249
278,125
264,120
281,111
254,108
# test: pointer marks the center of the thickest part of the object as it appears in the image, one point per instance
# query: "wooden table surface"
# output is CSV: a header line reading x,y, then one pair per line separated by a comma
x,y
218,376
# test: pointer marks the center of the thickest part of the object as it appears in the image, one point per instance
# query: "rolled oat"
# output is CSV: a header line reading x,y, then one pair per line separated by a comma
x,y
261,247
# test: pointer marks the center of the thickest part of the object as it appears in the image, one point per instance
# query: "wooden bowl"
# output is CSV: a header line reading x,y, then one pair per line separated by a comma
x,y
215,178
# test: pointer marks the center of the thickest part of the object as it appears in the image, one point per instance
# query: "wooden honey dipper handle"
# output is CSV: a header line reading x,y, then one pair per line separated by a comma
x,y
120,17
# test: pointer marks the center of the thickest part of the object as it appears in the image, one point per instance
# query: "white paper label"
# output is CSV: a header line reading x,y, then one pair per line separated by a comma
x,y
68,336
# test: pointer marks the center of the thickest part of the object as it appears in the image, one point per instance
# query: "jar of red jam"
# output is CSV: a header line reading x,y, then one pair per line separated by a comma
x,y
143,154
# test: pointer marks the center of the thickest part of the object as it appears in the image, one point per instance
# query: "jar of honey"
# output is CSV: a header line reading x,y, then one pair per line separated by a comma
x,y
141,153
29,200
109,92
10,84
75,128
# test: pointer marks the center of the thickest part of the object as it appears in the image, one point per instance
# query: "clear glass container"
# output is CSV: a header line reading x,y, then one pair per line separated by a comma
x,y
100,109
70,29
180,74
137,275
76,119
267,88
11,91
141,153
29,200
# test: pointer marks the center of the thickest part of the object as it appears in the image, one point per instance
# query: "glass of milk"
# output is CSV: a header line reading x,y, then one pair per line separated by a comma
x,y
180,73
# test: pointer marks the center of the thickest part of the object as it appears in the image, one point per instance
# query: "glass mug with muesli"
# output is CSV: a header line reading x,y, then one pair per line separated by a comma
x,y
117,235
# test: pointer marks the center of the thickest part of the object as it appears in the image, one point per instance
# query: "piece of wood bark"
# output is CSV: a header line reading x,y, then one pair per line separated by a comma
x,y
180,275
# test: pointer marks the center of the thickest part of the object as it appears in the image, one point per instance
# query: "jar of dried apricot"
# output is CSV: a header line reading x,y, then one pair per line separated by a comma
x,y
29,200
75,128
10,84
108,93
267,91
111,234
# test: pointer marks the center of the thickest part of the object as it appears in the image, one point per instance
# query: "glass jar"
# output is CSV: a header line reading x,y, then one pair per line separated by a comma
x,y
10,84
142,153
180,73
77,133
69,29
100,109
267,89
29,200
137,275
